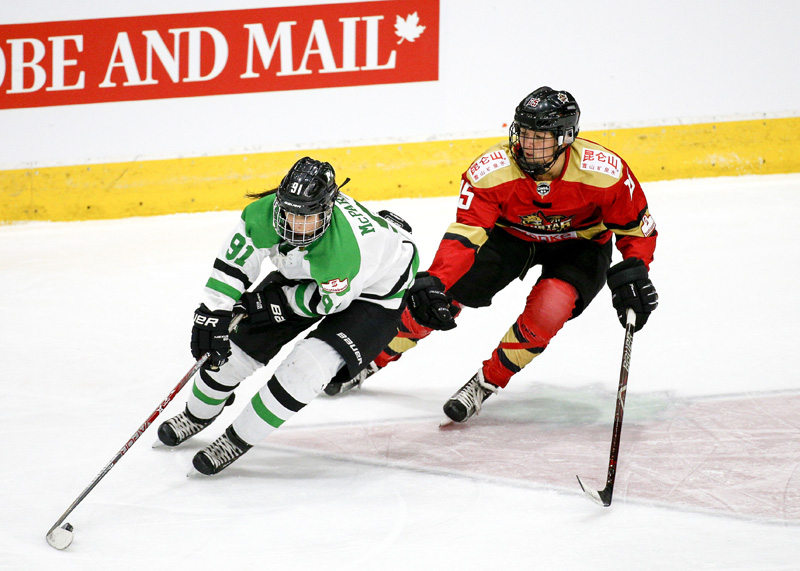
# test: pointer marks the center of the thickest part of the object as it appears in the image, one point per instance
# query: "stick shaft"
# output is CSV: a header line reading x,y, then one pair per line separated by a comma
x,y
196,367
603,497
620,407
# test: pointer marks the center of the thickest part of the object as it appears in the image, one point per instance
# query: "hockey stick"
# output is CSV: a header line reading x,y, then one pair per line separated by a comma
x,y
603,497
60,536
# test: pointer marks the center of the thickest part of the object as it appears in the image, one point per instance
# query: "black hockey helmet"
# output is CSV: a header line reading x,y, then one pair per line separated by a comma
x,y
547,110
307,193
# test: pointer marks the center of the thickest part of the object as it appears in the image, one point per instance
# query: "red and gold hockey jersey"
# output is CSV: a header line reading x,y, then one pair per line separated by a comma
x,y
595,195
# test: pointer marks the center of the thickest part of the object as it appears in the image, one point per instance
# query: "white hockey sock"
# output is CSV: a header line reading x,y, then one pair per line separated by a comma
x,y
206,400
301,377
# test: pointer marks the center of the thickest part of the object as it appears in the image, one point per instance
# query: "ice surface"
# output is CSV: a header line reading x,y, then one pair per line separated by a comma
x,y
95,333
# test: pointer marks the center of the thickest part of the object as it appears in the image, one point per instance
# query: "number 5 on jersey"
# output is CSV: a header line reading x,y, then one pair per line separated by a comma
x,y
466,196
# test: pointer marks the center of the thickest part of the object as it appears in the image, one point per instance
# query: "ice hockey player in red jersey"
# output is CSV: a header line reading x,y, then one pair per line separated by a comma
x,y
548,198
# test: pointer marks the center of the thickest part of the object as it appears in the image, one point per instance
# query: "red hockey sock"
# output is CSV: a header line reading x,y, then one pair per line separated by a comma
x,y
547,309
409,334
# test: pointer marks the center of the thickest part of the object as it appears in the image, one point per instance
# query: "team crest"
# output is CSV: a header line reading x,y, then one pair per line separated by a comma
x,y
543,189
335,285
539,221
562,97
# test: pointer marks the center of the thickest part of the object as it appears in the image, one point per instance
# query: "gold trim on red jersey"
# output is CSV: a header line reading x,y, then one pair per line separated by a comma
x,y
474,235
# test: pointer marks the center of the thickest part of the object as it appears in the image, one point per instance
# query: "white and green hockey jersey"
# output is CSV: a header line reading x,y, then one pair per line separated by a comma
x,y
360,256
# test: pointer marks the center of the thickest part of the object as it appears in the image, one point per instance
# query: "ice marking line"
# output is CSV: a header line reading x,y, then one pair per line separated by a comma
x,y
707,455
519,484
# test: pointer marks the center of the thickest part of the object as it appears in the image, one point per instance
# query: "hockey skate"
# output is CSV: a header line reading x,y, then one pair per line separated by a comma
x,y
469,399
336,388
182,427
221,453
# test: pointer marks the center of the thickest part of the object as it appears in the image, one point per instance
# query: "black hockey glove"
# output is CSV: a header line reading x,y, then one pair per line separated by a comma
x,y
430,305
631,288
263,307
210,335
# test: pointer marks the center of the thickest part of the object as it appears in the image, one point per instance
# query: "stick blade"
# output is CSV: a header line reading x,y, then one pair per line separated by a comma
x,y
601,497
60,537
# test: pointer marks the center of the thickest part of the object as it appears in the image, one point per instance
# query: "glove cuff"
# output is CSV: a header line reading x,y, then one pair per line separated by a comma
x,y
627,271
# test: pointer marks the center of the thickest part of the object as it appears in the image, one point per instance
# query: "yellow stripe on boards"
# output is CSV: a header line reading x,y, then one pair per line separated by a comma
x,y
409,170
765,146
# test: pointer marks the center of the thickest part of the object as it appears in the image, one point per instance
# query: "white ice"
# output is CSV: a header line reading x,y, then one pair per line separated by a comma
x,y
95,333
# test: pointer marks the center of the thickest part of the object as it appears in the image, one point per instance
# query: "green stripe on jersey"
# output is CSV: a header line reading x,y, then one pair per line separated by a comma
x,y
224,289
300,299
264,413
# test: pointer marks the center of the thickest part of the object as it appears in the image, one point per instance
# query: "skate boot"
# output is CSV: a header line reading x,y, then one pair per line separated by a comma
x,y
182,427
468,400
336,388
221,453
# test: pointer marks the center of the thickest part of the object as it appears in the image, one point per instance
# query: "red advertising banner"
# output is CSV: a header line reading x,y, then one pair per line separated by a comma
x,y
215,53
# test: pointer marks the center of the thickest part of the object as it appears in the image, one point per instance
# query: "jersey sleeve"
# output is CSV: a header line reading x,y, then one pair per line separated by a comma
x,y
478,210
628,216
236,267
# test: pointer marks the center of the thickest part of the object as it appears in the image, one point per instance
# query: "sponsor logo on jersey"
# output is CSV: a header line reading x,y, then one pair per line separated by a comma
x,y
489,162
543,189
601,161
539,221
547,237
335,285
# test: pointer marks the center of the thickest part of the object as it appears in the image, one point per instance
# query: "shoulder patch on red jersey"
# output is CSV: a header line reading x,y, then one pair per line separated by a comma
x,y
648,224
488,163
601,161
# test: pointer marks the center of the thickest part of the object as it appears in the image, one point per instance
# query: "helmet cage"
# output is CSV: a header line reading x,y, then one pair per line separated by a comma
x,y
297,231
544,110
307,192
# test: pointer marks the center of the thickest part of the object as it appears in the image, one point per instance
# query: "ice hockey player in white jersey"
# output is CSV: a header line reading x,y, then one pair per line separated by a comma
x,y
338,266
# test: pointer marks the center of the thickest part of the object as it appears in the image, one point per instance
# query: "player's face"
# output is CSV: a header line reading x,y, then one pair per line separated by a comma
x,y
303,224
537,146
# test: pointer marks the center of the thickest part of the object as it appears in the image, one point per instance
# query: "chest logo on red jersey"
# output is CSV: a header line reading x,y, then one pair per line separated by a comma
x,y
601,161
554,223
543,189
